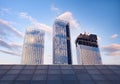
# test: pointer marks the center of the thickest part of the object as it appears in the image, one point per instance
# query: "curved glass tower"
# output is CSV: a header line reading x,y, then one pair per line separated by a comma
x,y
61,43
33,48
87,50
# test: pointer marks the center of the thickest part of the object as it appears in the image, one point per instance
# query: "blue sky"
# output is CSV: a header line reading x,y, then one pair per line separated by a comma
x,y
101,17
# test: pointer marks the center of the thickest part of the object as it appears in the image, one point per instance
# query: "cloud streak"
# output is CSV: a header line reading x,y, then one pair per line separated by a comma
x,y
11,45
114,36
113,53
112,49
4,44
5,26
10,52
68,16
55,9
15,48
4,11
28,17
35,22
7,31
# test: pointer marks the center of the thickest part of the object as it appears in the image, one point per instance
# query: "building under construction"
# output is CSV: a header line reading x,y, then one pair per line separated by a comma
x,y
87,49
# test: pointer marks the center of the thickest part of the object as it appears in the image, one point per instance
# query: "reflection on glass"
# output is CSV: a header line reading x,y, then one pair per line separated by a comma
x,y
33,48
61,45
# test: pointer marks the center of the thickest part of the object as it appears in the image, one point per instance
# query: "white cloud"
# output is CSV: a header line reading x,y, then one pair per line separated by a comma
x,y
11,52
35,22
112,49
5,11
26,16
15,48
13,44
117,53
67,16
99,38
10,45
4,44
6,26
114,36
6,41
56,9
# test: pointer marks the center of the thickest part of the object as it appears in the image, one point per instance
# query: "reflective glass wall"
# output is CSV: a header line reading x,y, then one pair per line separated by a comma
x,y
88,55
87,50
61,43
33,48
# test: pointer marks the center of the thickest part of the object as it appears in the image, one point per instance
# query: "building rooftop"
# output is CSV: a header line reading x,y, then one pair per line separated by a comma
x,y
87,39
59,74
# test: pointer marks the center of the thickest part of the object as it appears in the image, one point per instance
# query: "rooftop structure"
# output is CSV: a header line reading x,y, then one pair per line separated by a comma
x,y
87,49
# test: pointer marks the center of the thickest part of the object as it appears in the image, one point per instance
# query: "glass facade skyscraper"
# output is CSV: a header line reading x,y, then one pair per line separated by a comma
x,y
87,50
33,48
61,43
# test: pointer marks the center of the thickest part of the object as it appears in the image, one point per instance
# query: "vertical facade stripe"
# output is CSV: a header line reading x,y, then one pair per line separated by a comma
x,y
61,43
33,47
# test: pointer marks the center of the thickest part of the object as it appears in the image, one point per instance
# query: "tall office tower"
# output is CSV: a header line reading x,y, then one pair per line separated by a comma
x,y
33,48
87,50
61,43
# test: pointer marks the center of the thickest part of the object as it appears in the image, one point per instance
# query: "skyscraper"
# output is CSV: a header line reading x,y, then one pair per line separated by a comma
x,y
33,48
61,43
87,49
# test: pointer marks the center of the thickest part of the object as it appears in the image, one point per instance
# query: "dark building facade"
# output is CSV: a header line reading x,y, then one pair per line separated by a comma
x,y
87,49
61,43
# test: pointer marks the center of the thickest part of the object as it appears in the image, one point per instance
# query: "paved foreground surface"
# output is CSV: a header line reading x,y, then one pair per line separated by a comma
x,y
59,74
